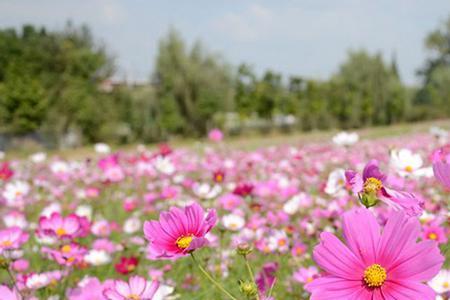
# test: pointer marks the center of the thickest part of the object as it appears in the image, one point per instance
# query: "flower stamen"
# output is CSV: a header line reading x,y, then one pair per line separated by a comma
x,y
183,242
372,185
374,276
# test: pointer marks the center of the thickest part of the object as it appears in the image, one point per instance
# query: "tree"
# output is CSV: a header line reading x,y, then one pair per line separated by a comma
x,y
434,95
192,85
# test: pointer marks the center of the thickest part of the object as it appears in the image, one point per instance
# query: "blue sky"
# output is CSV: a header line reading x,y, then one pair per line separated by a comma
x,y
308,38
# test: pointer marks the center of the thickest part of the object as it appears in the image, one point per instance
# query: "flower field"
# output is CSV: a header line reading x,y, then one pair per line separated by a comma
x,y
348,218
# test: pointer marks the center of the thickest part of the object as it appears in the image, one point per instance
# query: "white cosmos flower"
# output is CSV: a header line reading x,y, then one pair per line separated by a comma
x,y
37,281
60,167
15,191
406,163
38,157
205,191
439,133
53,207
132,225
345,138
84,211
278,241
441,282
97,257
233,222
102,148
162,292
164,165
293,205
15,218
336,182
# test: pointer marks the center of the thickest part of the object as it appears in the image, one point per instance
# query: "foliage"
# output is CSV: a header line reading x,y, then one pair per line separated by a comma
x,y
53,84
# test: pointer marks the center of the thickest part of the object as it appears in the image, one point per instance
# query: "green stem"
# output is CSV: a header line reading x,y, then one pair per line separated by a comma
x,y
250,272
14,281
207,275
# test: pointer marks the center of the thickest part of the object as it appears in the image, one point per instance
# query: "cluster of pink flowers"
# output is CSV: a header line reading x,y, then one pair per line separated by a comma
x,y
169,223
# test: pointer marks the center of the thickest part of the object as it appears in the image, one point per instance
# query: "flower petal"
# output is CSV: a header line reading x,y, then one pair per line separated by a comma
x,y
336,259
362,233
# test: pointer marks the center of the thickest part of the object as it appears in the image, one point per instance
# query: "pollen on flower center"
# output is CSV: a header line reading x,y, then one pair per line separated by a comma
x,y
408,169
375,275
66,249
372,185
432,236
60,231
183,242
134,297
6,243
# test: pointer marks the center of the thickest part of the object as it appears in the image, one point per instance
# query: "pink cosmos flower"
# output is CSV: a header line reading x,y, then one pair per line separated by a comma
x,y
178,231
59,226
435,233
306,275
215,135
12,238
9,294
137,288
67,255
90,288
374,265
441,165
372,186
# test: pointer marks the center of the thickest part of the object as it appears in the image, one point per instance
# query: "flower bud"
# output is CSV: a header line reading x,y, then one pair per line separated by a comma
x,y
369,200
248,288
244,249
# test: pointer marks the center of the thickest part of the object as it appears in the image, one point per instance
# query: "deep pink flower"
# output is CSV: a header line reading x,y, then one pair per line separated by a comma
x,y
137,288
5,171
178,231
60,227
266,278
12,238
372,185
441,165
374,265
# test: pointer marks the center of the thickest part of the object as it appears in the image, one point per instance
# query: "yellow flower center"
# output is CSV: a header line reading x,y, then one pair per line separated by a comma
x,y
219,178
66,249
131,268
60,231
282,242
6,244
184,241
446,285
375,275
372,185
134,297
432,236
408,169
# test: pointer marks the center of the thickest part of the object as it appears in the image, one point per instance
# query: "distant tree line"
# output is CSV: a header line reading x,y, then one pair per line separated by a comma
x,y
54,84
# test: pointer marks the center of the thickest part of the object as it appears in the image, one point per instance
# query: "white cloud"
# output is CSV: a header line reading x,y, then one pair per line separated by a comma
x,y
249,25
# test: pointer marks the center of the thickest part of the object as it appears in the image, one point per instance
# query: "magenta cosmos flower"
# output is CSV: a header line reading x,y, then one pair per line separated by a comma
x,y
59,226
137,288
375,265
441,165
178,231
371,186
